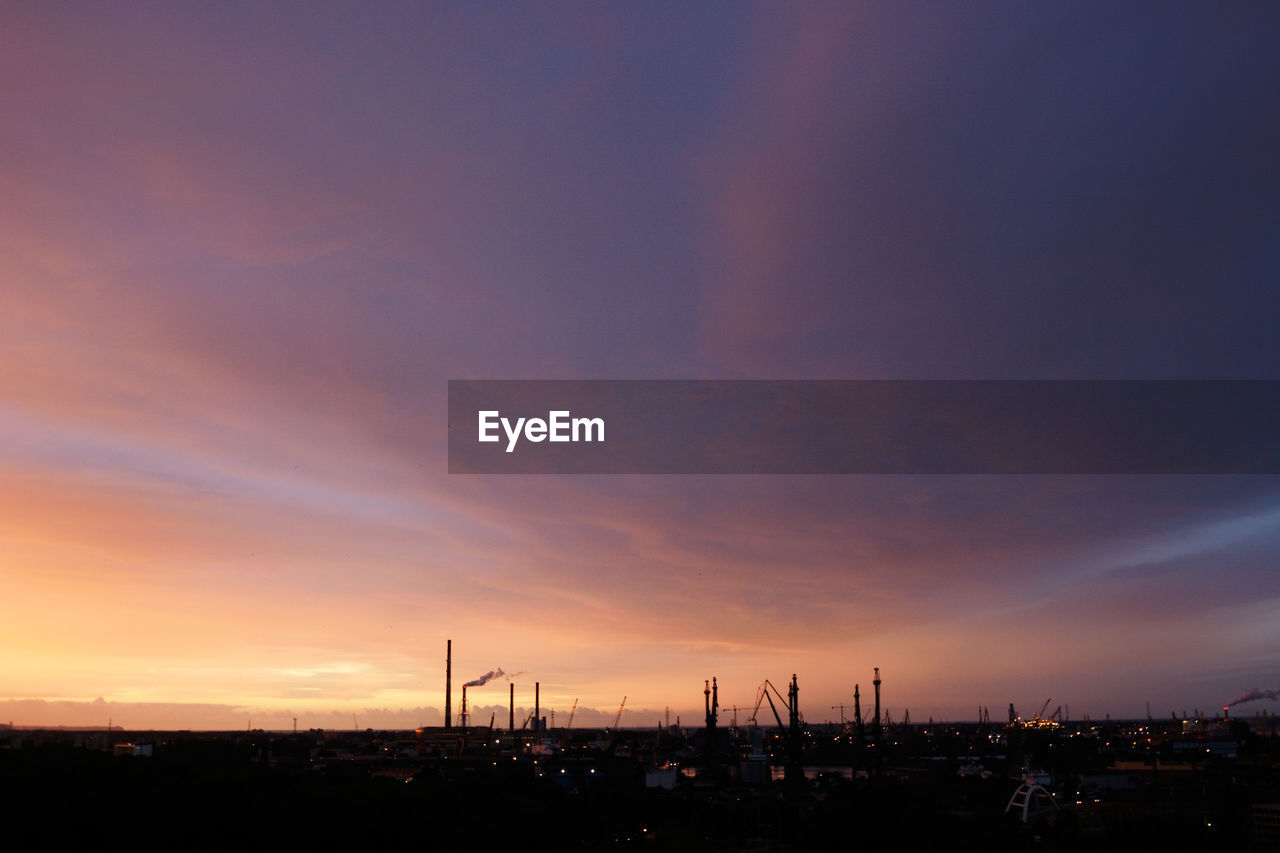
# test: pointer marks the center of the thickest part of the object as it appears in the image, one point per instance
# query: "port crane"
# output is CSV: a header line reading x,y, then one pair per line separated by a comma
x,y
761,695
792,731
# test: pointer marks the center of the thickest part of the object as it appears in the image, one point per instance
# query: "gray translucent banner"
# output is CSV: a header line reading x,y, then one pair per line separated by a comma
x,y
863,427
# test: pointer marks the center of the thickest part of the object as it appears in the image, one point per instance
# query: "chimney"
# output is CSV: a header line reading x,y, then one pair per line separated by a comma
x,y
536,707
448,684
876,723
857,714
512,724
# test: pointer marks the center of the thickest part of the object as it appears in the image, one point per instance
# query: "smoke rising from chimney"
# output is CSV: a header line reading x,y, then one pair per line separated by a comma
x,y
488,676
1254,695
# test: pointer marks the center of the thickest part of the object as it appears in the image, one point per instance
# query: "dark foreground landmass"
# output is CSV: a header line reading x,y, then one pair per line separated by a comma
x,y
1117,787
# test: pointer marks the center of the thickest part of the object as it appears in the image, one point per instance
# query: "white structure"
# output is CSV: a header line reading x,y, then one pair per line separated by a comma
x,y
1031,803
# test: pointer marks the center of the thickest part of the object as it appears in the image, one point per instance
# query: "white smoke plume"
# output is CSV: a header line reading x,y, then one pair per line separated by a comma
x,y
1254,695
488,676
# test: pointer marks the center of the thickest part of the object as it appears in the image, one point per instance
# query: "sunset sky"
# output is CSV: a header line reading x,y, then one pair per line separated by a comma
x,y
244,247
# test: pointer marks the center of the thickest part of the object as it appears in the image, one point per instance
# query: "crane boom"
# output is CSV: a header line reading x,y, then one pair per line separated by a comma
x,y
763,694
572,711
618,718
774,708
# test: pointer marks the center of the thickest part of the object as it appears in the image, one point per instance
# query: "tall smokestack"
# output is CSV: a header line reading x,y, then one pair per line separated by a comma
x,y
537,685
448,684
876,725
793,705
857,714
512,724
795,738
